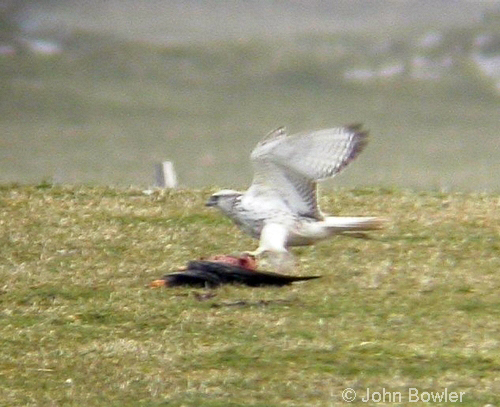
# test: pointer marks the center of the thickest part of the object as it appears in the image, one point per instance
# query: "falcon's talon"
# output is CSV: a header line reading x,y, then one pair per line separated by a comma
x,y
254,254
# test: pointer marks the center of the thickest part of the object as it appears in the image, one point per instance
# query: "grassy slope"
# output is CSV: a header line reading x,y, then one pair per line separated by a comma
x,y
415,306
106,110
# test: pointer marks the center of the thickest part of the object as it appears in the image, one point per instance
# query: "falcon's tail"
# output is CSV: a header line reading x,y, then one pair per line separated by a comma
x,y
353,224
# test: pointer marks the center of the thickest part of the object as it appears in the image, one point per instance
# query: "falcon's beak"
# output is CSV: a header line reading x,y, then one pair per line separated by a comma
x,y
212,201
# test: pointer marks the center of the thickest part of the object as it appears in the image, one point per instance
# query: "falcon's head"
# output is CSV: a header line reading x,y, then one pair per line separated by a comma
x,y
224,200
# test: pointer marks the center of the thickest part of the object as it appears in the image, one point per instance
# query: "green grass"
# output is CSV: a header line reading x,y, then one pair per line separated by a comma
x,y
415,306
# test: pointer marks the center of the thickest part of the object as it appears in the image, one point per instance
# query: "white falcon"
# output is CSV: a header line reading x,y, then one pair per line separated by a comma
x,y
281,207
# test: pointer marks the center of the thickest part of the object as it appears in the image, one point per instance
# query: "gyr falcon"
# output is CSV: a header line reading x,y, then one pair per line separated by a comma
x,y
281,206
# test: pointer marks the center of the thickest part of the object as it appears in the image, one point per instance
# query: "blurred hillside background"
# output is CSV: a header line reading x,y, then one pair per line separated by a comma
x,y
98,91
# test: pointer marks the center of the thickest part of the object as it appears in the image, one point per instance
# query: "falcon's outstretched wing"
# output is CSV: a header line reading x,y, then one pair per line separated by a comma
x,y
291,165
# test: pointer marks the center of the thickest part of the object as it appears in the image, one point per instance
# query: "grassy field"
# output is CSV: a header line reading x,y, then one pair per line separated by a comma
x,y
414,306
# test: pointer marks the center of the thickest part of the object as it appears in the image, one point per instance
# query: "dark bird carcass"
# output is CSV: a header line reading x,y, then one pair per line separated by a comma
x,y
226,270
